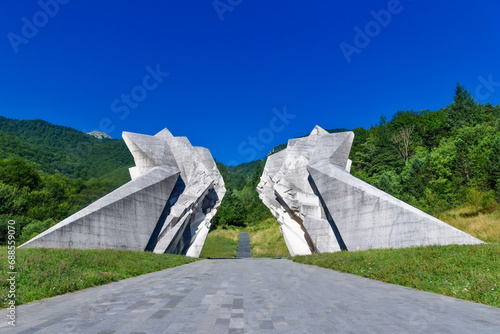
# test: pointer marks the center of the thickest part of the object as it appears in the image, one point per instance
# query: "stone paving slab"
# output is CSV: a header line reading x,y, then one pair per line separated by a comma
x,y
251,296
244,245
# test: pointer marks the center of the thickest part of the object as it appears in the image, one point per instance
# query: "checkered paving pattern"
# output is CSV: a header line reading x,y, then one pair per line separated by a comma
x,y
251,296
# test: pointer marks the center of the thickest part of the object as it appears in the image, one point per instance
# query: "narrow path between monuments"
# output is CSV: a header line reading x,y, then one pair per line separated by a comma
x,y
244,245
251,296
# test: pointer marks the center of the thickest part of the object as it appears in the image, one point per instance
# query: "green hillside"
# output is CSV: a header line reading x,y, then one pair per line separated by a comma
x,y
56,149
48,172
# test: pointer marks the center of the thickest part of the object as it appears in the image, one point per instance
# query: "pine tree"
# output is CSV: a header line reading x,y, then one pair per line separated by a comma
x,y
462,162
463,111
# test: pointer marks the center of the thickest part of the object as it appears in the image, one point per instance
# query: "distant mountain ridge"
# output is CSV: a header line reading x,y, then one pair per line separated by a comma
x,y
60,149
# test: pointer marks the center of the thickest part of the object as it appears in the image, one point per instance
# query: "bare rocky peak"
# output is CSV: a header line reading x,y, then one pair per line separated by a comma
x,y
99,134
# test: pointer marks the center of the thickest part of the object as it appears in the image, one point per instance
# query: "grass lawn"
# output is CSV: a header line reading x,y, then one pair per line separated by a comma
x,y
482,226
43,273
460,271
221,243
266,239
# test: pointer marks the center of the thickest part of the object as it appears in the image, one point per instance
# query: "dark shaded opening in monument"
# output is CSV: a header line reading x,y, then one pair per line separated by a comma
x,y
174,195
327,214
185,236
292,215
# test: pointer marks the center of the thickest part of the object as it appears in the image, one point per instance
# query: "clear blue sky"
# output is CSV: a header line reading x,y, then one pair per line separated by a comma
x,y
226,76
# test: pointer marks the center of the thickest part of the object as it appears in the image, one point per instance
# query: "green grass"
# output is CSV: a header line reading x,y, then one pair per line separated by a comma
x,y
221,243
460,271
266,239
484,226
43,273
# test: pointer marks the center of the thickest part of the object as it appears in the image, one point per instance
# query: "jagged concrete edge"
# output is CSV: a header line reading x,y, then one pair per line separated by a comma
x,y
294,235
151,149
189,159
179,210
339,144
199,232
292,187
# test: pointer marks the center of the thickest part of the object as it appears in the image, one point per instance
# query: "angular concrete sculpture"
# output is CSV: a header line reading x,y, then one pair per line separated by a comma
x,y
323,208
167,207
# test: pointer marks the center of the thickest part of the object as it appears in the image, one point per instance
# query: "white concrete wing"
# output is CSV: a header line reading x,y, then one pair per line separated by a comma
x,y
322,208
168,205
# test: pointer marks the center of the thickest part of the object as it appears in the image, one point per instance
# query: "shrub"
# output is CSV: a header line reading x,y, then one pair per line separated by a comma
x,y
35,227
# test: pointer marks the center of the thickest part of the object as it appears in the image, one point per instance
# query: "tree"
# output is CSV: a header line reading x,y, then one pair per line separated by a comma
x,y
13,200
414,177
18,173
493,165
463,161
34,228
441,168
231,211
385,156
464,110
402,139
490,113
384,182
432,126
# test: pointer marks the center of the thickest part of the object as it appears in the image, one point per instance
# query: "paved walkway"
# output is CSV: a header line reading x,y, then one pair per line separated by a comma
x,y
252,296
244,245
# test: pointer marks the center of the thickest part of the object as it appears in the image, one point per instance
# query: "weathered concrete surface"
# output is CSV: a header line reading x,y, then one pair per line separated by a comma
x,y
286,190
367,217
123,219
168,206
322,208
252,296
290,226
186,228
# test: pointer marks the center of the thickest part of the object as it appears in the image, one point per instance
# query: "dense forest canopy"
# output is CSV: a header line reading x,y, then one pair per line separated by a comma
x,y
434,160
48,172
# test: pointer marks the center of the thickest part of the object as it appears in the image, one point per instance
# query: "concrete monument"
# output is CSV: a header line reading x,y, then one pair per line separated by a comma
x,y
167,207
321,207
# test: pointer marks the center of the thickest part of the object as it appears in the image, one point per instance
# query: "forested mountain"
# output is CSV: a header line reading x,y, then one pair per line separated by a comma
x,y
48,172
434,160
59,149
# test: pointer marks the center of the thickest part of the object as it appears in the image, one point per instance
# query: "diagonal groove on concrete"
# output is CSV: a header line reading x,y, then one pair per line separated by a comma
x,y
244,245
254,296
